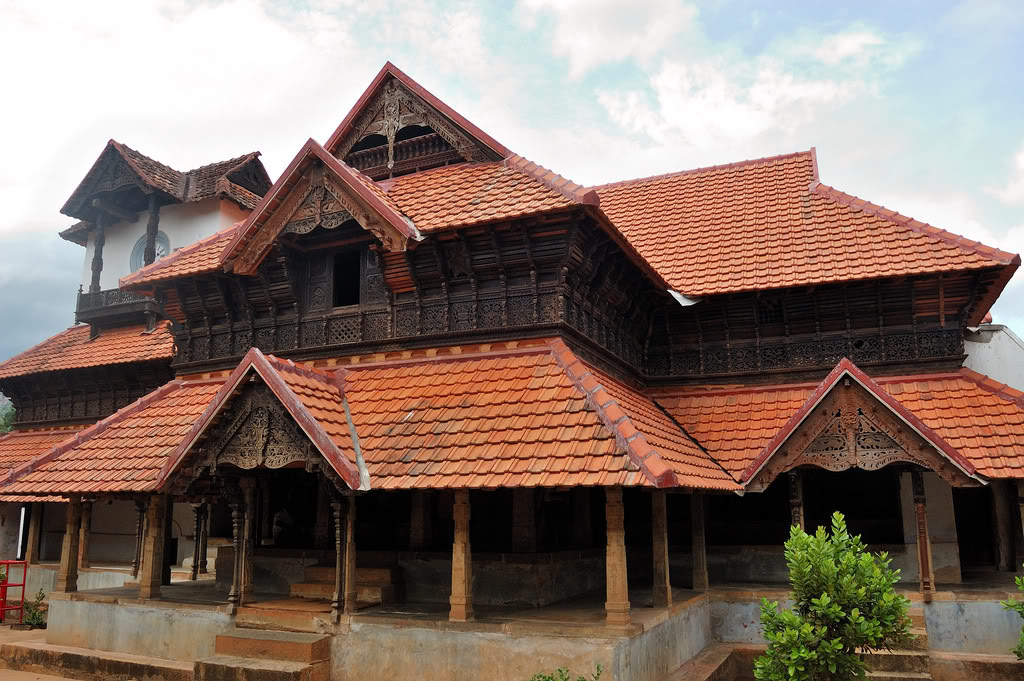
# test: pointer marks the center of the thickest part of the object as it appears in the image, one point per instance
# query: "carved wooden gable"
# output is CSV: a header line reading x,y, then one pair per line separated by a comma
x,y
851,428
395,107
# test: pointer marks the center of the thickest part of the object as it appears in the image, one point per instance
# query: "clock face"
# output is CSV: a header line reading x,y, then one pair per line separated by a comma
x,y
161,250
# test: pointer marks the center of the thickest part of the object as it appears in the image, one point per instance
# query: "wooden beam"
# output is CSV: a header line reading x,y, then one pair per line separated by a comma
x,y
114,211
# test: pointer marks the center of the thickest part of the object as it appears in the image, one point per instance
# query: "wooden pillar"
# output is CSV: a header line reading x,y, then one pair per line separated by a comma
x,y
205,529
1004,533
197,540
524,520
582,528
338,600
796,499
67,576
234,594
420,535
248,538
350,557
151,571
140,514
35,522
461,600
616,604
924,548
83,535
149,255
662,592
700,553
99,238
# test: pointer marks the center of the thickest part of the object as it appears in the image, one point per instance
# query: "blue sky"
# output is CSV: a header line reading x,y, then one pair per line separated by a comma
x,y
914,105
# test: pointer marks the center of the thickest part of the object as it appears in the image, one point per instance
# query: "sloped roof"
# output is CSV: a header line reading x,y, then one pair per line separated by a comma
x,y
981,419
19,446
197,258
769,223
73,349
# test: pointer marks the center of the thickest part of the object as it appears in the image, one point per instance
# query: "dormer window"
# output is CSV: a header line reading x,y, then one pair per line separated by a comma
x,y
347,278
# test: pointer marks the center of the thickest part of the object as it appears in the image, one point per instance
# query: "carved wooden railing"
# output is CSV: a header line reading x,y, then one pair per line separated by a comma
x,y
113,302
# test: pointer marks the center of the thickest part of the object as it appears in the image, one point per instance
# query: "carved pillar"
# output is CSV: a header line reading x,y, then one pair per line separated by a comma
x,y
203,545
140,514
338,601
99,238
796,499
700,552
248,538
197,540
461,600
924,548
420,534
582,528
350,557
524,521
151,572
35,522
659,524
83,535
1004,533
616,604
149,255
236,567
67,576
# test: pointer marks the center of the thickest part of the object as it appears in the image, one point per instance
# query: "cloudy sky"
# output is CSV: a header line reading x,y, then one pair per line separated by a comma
x,y
912,104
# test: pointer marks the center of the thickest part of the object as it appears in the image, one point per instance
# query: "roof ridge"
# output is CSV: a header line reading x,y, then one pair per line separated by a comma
x,y
120,146
1002,390
703,169
552,180
299,368
434,359
638,450
176,255
999,256
236,161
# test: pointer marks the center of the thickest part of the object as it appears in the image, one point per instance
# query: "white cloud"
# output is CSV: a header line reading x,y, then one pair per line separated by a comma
x,y
1013,192
590,33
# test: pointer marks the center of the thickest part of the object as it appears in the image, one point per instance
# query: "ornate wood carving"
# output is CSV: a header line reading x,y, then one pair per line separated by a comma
x,y
850,428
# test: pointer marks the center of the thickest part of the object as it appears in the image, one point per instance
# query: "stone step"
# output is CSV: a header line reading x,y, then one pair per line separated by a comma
x,y
40,657
231,668
920,641
372,576
369,595
895,676
274,645
279,620
916,617
896,661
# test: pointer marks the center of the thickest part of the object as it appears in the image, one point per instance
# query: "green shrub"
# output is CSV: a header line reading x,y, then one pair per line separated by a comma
x,y
34,611
843,602
1018,607
562,674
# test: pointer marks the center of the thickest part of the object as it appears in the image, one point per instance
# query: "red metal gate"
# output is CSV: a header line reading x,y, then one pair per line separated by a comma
x,y
6,583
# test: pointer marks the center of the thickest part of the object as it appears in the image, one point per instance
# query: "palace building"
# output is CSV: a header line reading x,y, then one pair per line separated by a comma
x,y
421,408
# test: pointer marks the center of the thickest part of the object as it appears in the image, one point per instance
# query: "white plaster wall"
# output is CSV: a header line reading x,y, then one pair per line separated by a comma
x,y
996,351
183,224
941,528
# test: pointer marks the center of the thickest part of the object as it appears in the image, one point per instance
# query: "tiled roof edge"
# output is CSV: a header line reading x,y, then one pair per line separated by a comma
x,y
707,169
552,180
142,276
77,233
92,431
34,347
635,445
993,386
997,256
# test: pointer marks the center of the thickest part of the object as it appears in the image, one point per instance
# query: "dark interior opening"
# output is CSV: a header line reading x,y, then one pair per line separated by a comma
x,y
975,527
347,278
410,131
753,519
369,142
870,501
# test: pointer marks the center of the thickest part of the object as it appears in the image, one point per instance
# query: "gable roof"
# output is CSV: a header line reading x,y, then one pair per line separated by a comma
x,y
74,349
150,175
769,223
389,71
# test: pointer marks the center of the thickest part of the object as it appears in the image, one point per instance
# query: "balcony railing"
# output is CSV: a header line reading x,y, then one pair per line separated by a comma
x,y
112,303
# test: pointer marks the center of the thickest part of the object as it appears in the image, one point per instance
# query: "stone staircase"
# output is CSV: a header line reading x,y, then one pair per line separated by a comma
x,y
909,663
264,655
374,585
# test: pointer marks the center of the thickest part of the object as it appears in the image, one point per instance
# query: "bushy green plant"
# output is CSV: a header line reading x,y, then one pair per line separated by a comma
x,y
843,602
34,611
1018,607
562,674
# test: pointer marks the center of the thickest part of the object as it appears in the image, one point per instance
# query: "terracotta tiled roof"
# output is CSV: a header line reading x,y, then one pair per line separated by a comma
x,y
122,453
471,193
72,349
203,181
152,172
19,446
768,223
200,257
530,418
981,419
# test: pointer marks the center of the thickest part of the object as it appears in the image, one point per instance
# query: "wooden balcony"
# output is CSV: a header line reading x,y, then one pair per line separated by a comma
x,y
113,305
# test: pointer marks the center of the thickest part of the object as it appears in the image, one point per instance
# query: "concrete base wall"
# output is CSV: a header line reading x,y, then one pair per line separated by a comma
x,y
172,633
971,627
45,577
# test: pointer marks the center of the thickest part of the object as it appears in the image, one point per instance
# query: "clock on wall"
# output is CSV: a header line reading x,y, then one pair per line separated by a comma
x,y
163,247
